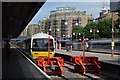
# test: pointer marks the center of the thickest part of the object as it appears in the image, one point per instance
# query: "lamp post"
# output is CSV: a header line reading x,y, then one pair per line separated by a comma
x,y
83,44
73,34
55,30
71,43
60,43
94,31
56,38
76,24
50,31
77,35
66,23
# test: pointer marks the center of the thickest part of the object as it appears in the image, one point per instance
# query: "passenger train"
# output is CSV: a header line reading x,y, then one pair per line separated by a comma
x,y
101,45
37,45
104,45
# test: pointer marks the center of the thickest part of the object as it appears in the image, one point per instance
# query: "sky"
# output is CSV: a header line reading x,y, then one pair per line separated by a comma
x,y
91,7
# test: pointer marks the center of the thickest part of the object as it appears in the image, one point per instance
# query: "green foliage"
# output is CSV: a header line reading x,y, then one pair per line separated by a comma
x,y
89,27
117,23
104,27
78,29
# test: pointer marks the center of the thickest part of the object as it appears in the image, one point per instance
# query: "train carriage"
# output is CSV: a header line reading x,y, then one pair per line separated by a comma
x,y
103,45
37,45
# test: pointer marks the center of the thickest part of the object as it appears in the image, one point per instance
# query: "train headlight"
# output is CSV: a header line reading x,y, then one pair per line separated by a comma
x,y
35,53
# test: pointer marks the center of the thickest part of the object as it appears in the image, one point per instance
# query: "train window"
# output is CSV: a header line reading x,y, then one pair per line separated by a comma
x,y
103,44
116,44
42,44
37,43
108,44
46,43
94,43
97,43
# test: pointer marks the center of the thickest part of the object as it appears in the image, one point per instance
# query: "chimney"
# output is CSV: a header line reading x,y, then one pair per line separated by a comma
x,y
101,14
103,10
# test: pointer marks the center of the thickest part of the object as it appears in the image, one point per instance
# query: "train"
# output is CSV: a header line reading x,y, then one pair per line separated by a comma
x,y
37,45
104,45
98,45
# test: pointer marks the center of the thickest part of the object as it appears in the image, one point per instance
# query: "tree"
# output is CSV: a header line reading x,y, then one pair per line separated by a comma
x,y
105,28
117,27
88,27
77,29
85,30
117,22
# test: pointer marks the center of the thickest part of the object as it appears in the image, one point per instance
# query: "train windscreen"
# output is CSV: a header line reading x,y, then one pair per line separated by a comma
x,y
41,44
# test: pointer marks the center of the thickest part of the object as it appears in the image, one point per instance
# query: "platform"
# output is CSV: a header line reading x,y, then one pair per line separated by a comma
x,y
18,67
110,66
102,57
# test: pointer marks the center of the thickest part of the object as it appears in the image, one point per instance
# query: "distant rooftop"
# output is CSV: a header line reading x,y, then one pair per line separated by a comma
x,y
63,9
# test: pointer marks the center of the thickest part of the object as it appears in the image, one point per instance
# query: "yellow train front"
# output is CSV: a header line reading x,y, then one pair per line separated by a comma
x,y
37,45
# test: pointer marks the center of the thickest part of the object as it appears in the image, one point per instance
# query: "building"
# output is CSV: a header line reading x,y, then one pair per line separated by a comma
x,y
30,30
62,20
24,32
115,6
104,14
43,25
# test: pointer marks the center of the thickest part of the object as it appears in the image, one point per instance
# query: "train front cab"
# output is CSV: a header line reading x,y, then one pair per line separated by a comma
x,y
39,48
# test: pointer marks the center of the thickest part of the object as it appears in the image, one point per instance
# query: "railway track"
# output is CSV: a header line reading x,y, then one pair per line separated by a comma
x,y
70,67
70,74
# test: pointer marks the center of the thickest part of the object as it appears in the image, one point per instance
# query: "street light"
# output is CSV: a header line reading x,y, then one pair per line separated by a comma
x,y
56,38
73,33
79,35
63,35
58,30
83,42
94,30
76,24
50,31
66,23
76,35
